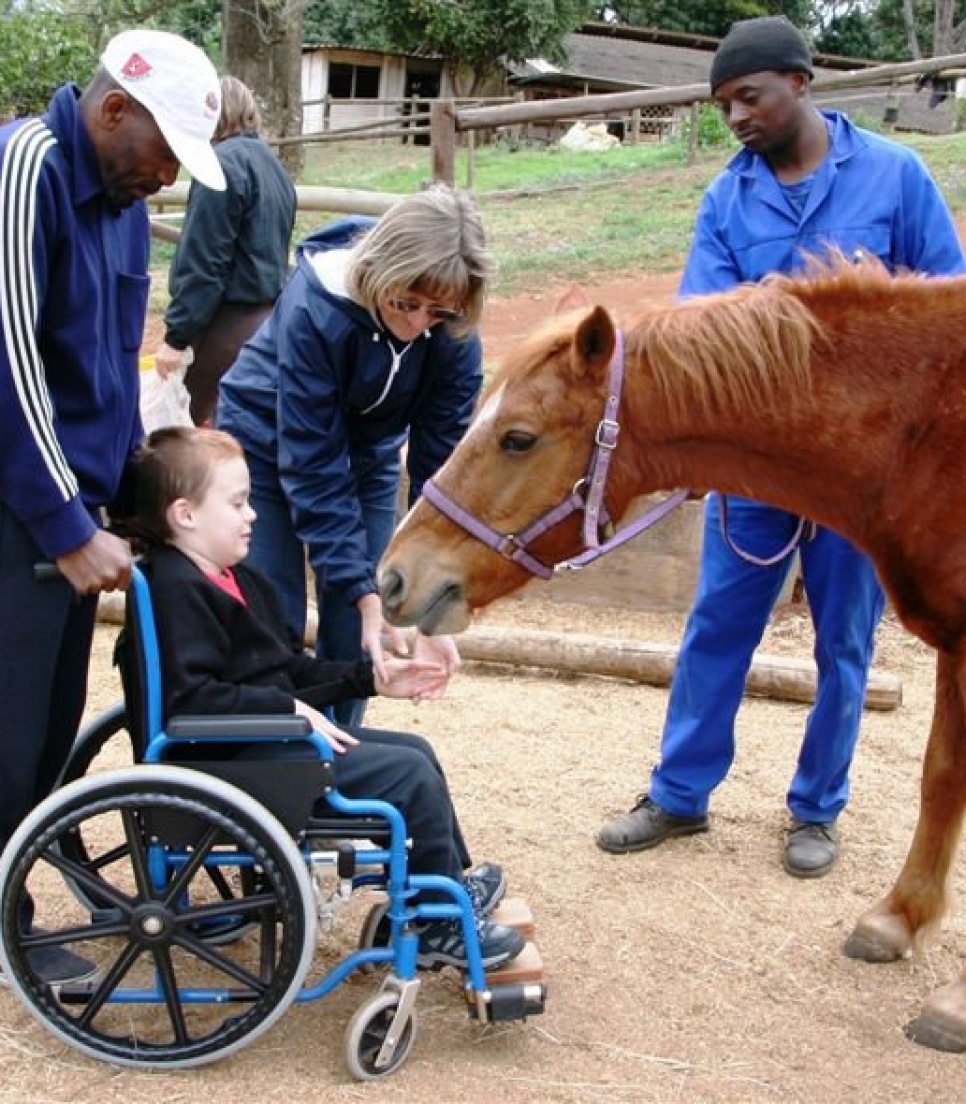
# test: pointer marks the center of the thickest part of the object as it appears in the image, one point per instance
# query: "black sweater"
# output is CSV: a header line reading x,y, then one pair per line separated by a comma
x,y
234,244
220,656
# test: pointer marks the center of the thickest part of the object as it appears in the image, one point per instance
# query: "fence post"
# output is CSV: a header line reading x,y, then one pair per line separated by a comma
x,y
635,126
693,135
442,137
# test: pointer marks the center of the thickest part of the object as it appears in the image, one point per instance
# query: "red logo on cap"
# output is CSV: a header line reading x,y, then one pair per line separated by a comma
x,y
135,68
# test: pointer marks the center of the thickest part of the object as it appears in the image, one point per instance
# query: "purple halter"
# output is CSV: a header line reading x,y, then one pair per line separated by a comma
x,y
587,496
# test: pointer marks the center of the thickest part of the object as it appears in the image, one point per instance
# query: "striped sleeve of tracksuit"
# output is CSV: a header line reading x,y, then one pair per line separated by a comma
x,y
35,477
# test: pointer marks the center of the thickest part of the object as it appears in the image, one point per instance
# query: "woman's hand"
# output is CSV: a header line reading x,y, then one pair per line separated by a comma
x,y
335,737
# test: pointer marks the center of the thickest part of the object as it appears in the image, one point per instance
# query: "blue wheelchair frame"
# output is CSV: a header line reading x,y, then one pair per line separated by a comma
x,y
381,1033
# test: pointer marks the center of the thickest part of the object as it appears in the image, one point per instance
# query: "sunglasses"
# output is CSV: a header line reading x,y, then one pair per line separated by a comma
x,y
438,314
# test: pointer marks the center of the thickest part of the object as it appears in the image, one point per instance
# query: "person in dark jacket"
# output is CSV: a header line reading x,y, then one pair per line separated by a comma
x,y
74,247
371,345
226,648
233,256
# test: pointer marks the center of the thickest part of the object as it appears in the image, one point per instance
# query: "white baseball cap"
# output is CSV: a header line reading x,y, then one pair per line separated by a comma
x,y
177,83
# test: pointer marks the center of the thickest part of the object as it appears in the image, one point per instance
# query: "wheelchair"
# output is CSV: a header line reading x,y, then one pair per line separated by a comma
x,y
196,881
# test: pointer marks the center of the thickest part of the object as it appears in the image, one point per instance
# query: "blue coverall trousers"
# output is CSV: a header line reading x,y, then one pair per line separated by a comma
x,y
732,605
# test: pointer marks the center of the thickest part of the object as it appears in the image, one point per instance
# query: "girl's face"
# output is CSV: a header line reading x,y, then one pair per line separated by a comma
x,y
408,313
216,531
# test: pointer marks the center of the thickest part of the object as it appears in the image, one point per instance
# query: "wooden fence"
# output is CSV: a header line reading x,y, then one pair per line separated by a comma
x,y
448,120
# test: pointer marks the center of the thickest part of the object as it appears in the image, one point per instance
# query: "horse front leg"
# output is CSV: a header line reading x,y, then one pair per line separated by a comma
x,y
914,907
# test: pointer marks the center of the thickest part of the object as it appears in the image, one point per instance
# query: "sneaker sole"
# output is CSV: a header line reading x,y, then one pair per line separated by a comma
x,y
646,845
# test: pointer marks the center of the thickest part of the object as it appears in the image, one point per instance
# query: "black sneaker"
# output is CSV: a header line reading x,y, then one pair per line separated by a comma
x,y
441,944
486,885
58,966
646,825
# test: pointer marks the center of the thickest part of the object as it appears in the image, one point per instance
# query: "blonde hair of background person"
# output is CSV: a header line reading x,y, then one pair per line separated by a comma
x,y
239,110
432,243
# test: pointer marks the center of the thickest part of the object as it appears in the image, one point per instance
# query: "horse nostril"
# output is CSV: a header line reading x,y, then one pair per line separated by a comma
x,y
392,589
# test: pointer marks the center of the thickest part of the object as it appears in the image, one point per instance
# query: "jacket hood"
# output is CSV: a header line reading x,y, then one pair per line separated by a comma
x,y
323,257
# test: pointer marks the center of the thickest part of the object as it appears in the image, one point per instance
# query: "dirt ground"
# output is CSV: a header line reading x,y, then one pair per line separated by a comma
x,y
699,972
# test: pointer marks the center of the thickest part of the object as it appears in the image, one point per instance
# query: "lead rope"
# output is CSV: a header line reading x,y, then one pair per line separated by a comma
x,y
804,531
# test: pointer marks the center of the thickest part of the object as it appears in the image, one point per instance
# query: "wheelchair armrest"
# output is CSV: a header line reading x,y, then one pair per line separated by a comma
x,y
239,727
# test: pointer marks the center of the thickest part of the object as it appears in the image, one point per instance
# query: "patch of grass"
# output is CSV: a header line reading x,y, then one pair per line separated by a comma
x,y
573,214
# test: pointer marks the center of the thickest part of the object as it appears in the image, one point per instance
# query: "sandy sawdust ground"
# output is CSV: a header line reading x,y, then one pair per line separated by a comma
x,y
699,972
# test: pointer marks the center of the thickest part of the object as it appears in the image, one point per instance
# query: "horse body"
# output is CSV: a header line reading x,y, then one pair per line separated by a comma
x,y
840,397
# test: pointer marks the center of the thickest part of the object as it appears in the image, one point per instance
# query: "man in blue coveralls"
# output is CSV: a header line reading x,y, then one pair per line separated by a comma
x,y
74,248
804,182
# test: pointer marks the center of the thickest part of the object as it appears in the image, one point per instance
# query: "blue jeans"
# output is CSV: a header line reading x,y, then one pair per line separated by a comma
x,y
277,552
732,605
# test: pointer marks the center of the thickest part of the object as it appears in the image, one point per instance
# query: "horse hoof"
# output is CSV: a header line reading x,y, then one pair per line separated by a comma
x,y
938,1033
873,947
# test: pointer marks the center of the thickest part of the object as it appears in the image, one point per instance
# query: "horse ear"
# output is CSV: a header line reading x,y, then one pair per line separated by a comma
x,y
573,299
594,339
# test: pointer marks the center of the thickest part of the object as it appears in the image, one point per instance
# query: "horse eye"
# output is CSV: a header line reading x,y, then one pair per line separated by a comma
x,y
518,441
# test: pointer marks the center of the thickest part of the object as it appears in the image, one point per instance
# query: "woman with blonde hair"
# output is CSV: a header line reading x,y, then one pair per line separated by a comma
x,y
233,256
371,346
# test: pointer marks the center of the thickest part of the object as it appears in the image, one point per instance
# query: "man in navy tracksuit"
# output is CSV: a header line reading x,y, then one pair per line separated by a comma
x,y
74,246
805,181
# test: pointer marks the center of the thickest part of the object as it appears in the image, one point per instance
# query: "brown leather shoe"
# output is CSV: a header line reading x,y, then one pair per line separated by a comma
x,y
810,849
646,825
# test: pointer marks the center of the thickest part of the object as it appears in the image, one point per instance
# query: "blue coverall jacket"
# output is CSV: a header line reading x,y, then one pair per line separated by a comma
x,y
869,196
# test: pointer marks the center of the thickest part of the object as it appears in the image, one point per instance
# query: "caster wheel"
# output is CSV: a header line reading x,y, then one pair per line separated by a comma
x,y
376,932
368,1032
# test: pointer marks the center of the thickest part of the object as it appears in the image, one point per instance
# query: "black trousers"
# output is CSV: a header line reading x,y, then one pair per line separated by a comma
x,y
402,769
46,630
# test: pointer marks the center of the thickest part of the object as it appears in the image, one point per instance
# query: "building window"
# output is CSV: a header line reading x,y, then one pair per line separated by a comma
x,y
353,82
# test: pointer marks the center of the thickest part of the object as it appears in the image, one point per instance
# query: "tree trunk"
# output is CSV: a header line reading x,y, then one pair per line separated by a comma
x,y
262,46
909,22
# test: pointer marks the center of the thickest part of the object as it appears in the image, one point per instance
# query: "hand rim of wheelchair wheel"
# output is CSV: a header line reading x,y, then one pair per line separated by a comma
x,y
285,901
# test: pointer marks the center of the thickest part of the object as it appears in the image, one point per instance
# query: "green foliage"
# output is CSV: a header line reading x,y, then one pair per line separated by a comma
x,y
713,132
478,37
40,50
705,17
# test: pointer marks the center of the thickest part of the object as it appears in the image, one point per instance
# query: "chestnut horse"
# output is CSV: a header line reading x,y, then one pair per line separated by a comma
x,y
839,395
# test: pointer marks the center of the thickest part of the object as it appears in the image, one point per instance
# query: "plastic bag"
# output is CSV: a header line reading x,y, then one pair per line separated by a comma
x,y
164,401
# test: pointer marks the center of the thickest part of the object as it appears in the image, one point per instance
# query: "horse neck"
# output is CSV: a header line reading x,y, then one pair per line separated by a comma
x,y
817,447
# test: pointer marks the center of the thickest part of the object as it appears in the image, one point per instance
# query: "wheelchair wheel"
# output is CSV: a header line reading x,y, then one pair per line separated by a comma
x,y
376,931
369,1029
164,997
104,744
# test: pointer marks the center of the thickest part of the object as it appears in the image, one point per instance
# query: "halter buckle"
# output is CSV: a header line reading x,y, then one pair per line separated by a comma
x,y
607,433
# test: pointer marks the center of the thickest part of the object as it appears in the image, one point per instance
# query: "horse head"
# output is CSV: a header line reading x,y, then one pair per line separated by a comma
x,y
525,452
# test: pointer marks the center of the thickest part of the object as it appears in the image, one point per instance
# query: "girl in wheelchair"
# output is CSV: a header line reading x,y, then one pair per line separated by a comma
x,y
226,648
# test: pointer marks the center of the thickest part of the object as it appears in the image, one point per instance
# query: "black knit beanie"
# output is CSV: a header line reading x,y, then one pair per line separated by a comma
x,y
770,42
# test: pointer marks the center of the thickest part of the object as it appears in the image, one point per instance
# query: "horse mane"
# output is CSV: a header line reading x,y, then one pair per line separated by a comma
x,y
751,346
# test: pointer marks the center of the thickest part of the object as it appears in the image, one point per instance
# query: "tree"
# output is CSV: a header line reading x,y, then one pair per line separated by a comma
x,y
262,42
705,17
40,50
476,39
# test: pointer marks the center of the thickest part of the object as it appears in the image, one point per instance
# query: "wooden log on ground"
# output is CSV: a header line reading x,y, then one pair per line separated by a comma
x,y
780,677
770,676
